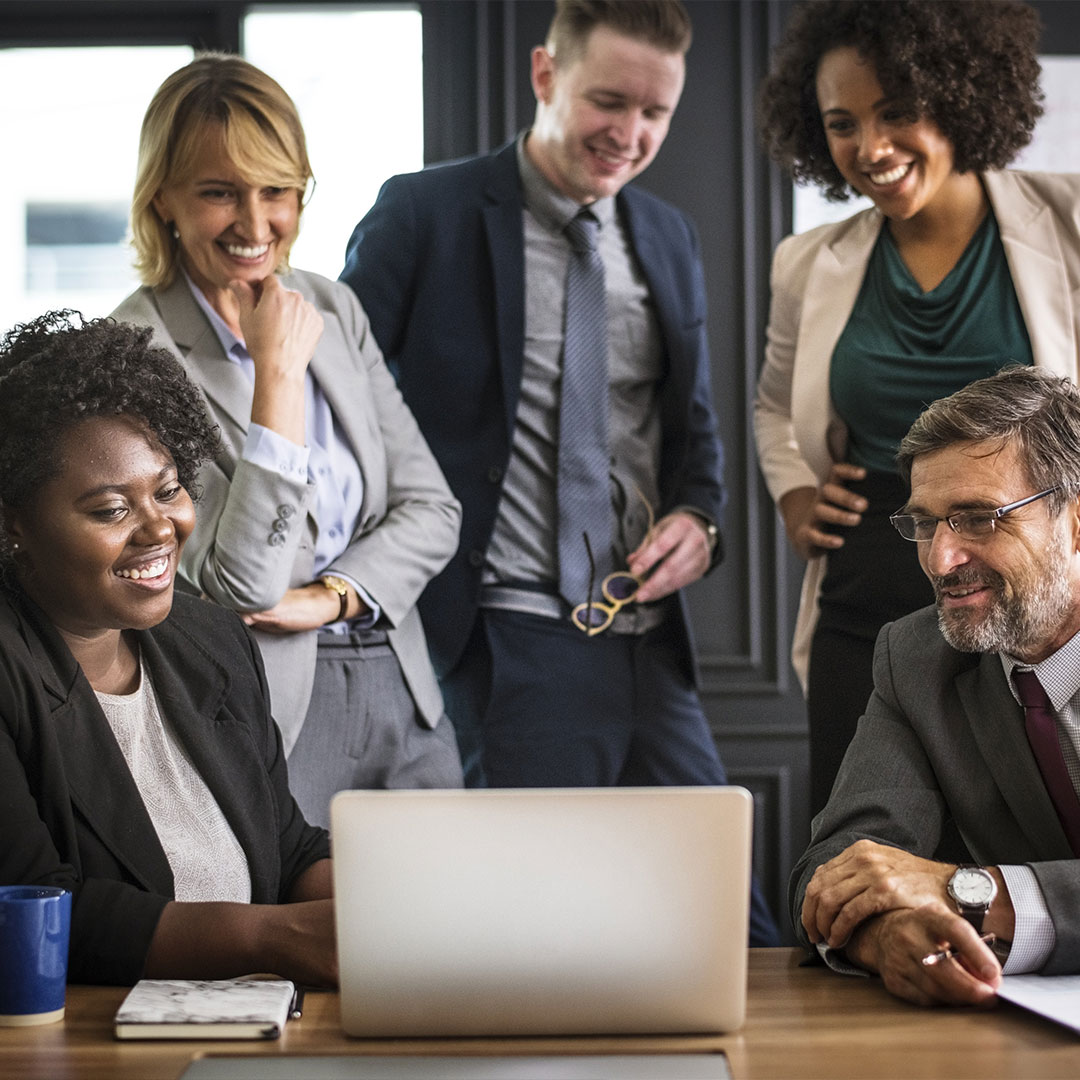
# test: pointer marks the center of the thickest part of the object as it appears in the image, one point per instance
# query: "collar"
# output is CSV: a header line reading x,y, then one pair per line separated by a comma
x,y
550,207
233,347
1059,673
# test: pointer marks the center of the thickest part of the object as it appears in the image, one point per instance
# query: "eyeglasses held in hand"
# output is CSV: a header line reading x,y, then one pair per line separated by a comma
x,y
618,589
969,524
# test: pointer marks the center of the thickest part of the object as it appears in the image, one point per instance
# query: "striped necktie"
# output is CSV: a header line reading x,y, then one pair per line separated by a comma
x,y
584,486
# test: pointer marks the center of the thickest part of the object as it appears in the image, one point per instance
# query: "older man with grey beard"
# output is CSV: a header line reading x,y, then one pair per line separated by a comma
x,y
954,824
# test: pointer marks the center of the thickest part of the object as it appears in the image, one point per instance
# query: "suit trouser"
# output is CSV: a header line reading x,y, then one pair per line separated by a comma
x,y
362,729
566,710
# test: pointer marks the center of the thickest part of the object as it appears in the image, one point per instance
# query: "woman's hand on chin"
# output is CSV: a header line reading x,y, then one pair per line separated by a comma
x,y
281,330
280,327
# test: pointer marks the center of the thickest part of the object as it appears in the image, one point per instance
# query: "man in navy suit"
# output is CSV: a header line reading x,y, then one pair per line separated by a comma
x,y
462,269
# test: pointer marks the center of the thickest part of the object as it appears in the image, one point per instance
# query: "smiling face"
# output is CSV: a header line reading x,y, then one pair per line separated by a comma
x,y
1016,591
901,161
602,117
100,543
229,228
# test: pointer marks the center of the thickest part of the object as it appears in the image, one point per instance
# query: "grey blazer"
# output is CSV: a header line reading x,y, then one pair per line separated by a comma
x,y
940,766
255,535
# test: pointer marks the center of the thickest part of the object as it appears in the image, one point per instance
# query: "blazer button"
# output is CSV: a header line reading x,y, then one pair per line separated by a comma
x,y
280,525
495,474
276,539
476,558
286,511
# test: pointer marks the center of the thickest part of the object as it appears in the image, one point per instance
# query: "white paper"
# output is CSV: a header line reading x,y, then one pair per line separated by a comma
x,y
1057,997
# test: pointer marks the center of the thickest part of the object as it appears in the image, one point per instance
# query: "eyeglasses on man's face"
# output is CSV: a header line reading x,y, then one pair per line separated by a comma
x,y
968,524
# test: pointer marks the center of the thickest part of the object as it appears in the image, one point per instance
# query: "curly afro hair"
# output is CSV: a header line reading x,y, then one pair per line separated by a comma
x,y
54,374
971,66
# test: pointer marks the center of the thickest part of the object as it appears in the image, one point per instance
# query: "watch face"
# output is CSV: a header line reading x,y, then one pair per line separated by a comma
x,y
971,886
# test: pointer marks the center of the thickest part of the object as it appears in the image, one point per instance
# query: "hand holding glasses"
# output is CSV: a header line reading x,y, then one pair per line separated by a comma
x,y
618,589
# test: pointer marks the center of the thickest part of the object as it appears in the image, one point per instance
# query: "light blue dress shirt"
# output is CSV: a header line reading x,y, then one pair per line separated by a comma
x,y
327,462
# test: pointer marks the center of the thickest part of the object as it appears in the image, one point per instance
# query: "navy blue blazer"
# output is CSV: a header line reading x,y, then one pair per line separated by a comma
x,y
70,813
438,264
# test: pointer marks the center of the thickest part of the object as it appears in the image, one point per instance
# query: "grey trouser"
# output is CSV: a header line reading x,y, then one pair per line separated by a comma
x,y
362,729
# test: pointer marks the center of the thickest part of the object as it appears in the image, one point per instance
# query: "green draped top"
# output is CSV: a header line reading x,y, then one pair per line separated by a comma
x,y
903,348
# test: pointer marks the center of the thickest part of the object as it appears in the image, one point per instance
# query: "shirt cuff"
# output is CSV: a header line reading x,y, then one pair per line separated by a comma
x,y
838,962
275,453
1034,937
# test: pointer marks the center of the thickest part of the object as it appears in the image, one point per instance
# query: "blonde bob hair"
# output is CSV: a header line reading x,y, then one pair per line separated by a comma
x,y
222,96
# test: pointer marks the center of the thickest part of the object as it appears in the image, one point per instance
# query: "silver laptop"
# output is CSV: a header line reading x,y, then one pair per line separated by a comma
x,y
542,912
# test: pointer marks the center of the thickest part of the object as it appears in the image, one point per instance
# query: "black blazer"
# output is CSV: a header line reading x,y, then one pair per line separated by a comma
x,y
70,813
439,266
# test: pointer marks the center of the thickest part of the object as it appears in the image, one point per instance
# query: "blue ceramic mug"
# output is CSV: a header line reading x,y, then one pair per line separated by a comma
x,y
35,924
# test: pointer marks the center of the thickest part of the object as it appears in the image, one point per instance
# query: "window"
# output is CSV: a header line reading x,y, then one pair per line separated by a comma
x,y
71,143
70,165
359,91
1055,146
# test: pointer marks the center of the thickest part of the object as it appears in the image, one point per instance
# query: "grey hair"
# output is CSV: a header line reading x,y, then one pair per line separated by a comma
x,y
1036,411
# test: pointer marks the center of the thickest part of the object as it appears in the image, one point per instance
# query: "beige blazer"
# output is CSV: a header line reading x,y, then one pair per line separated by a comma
x,y
815,281
255,531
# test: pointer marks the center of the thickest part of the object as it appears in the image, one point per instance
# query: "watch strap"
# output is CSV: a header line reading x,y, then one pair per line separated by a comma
x,y
335,584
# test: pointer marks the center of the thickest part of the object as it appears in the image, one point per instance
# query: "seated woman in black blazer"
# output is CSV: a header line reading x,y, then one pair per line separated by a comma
x,y
139,764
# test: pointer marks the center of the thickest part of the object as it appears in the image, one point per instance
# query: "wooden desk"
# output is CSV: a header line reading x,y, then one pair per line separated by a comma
x,y
801,1022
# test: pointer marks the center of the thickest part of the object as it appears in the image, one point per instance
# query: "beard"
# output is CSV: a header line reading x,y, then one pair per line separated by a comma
x,y
1017,624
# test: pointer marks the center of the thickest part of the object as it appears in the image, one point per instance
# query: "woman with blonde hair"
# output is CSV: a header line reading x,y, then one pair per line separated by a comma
x,y
325,515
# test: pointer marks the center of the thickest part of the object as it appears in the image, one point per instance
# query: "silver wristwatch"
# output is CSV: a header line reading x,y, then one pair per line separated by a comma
x,y
973,889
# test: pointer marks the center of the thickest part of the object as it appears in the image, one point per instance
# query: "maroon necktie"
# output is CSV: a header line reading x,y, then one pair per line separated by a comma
x,y
1041,723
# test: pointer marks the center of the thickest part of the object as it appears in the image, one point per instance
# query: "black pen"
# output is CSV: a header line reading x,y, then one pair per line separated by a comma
x,y
296,1009
947,954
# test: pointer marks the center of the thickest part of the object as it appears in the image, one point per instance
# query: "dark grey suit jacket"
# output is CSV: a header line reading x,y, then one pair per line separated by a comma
x,y
940,766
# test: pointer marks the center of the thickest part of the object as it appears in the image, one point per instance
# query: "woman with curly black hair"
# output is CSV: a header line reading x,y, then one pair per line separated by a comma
x,y
140,767
958,269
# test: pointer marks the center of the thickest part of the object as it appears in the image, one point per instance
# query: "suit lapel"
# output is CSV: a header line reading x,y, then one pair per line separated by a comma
x,y
191,686
90,752
998,726
1037,267
829,298
222,381
505,234
652,253
347,389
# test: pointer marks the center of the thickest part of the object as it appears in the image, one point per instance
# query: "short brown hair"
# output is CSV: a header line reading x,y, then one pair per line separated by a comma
x,y
1037,411
663,23
258,123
